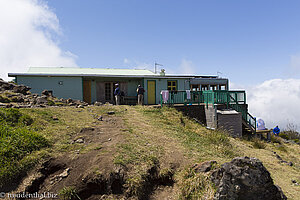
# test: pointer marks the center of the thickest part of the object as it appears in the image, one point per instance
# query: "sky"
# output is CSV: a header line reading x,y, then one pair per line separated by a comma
x,y
254,43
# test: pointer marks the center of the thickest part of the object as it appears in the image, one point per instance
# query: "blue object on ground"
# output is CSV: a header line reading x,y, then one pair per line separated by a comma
x,y
276,130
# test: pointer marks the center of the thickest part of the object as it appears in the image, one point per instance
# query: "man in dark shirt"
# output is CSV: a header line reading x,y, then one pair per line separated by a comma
x,y
140,91
117,94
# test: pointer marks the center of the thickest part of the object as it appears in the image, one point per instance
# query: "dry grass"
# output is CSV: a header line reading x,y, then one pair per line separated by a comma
x,y
169,138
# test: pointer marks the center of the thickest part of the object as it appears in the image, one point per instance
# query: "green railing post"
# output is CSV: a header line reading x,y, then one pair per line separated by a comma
x,y
228,99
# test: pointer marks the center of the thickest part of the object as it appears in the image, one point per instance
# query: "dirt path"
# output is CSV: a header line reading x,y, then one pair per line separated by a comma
x,y
88,169
92,155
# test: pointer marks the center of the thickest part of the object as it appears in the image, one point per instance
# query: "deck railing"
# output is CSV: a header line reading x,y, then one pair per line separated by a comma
x,y
232,99
208,97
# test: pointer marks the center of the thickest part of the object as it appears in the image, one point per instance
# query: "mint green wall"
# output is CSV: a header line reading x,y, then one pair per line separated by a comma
x,y
71,88
93,91
162,84
132,84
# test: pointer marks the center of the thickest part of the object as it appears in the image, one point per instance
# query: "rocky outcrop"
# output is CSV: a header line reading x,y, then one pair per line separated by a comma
x,y
19,96
246,179
13,87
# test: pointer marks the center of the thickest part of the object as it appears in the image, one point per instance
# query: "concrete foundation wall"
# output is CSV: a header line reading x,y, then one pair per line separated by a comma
x,y
193,111
231,122
211,116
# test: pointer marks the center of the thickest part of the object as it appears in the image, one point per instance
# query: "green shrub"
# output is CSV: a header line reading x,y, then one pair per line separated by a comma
x,y
296,140
15,144
14,117
291,132
25,120
10,116
284,136
51,103
68,193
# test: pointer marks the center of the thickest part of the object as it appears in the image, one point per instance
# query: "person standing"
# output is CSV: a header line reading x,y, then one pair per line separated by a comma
x,y
140,92
117,94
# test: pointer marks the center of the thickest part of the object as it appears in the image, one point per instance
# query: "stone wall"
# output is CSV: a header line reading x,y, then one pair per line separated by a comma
x,y
193,111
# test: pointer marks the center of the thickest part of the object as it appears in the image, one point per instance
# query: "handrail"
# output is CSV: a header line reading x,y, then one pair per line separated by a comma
x,y
246,116
233,99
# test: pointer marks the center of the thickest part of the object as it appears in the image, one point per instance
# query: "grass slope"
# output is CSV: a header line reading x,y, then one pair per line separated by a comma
x,y
153,137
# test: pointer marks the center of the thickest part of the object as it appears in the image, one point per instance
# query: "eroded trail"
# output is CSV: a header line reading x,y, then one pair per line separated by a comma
x,y
87,168
102,160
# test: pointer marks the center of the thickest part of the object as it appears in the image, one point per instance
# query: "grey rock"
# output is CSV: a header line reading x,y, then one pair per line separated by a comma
x,y
80,140
41,100
245,178
100,118
20,89
98,103
48,93
69,101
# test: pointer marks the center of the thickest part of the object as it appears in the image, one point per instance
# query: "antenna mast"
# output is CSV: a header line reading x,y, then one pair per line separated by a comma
x,y
155,68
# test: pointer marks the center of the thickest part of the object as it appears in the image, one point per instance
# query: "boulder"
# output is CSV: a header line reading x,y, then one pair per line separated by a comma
x,y
48,93
41,100
69,101
98,103
22,89
245,178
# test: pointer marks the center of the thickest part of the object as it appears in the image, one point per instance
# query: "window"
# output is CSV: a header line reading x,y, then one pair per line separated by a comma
x,y
172,85
195,87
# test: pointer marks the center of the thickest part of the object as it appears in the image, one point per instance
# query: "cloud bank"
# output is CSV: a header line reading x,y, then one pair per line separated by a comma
x,y
276,101
187,67
28,33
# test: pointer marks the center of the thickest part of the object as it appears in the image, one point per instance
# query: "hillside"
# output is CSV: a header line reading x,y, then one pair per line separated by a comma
x,y
131,152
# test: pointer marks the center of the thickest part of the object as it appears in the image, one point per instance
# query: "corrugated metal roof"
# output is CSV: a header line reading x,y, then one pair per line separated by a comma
x,y
100,72
89,71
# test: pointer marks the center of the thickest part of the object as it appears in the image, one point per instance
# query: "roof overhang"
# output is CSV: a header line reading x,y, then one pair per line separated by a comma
x,y
112,76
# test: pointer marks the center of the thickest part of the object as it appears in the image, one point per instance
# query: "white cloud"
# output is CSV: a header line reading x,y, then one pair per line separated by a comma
x,y
27,32
187,67
235,86
295,62
276,101
126,61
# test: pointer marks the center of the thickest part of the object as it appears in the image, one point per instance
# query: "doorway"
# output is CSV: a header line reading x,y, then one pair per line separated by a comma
x,y
151,91
87,91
